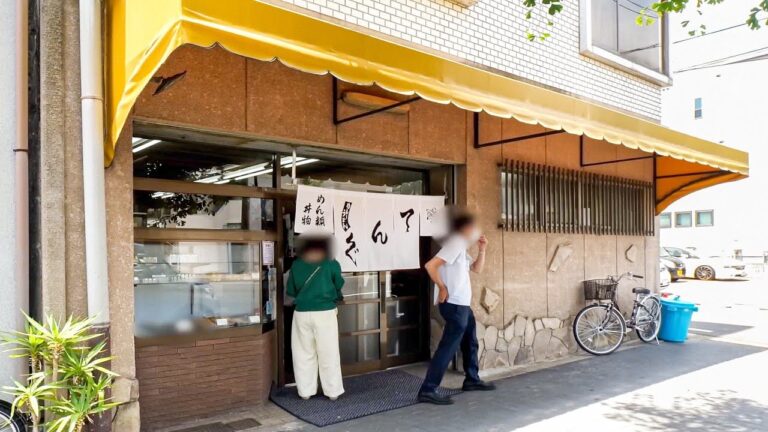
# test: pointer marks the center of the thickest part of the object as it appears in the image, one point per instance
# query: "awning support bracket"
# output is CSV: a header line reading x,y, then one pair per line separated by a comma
x,y
506,140
583,164
690,174
337,121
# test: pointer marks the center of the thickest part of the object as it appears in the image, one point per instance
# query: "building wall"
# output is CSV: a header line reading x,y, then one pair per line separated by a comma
x,y
198,378
731,118
532,321
258,99
11,300
492,34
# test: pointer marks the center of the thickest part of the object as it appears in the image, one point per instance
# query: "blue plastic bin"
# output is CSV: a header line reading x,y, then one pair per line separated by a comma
x,y
675,319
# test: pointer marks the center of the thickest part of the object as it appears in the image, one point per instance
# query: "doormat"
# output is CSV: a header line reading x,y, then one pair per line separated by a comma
x,y
363,395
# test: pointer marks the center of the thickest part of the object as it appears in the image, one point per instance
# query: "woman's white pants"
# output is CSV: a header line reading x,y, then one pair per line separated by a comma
x,y
315,348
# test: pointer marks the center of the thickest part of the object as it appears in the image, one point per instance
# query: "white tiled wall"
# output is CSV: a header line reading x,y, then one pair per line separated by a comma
x,y
492,33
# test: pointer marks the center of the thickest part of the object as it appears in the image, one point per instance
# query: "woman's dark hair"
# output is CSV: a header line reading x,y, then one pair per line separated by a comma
x,y
306,243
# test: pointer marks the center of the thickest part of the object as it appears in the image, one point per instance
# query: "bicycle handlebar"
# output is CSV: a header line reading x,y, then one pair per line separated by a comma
x,y
622,276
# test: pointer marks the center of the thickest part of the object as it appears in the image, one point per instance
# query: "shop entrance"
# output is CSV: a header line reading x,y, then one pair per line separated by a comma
x,y
384,317
383,320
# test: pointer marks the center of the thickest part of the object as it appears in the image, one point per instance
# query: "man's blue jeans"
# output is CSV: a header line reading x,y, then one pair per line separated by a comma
x,y
459,331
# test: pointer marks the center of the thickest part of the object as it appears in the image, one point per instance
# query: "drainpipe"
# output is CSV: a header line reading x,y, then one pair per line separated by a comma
x,y
92,102
21,161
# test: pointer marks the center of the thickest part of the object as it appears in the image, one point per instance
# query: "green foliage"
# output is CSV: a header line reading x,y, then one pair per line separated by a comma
x,y
661,7
69,380
26,344
29,397
83,403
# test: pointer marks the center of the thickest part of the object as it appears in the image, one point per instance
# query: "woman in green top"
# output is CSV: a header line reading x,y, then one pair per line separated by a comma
x,y
315,283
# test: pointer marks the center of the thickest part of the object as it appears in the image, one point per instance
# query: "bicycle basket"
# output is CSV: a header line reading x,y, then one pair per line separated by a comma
x,y
599,289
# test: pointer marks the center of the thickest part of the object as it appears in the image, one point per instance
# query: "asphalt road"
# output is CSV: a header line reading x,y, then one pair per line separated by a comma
x,y
730,310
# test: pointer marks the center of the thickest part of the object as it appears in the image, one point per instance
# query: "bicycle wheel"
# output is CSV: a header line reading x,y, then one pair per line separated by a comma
x,y
598,329
648,319
8,424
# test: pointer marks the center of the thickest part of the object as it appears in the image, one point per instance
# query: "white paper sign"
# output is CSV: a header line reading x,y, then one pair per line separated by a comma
x,y
268,253
433,219
314,210
379,228
350,240
406,232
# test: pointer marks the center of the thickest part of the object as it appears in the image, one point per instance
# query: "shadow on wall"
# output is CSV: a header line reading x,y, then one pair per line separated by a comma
x,y
718,411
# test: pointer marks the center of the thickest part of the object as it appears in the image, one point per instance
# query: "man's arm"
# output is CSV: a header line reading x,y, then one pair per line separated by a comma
x,y
479,263
432,267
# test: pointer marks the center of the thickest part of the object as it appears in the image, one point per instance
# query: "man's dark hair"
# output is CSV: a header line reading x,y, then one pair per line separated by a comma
x,y
462,220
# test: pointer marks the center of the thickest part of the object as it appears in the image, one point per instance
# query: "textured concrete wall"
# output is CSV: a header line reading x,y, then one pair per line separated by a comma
x,y
232,94
11,300
61,202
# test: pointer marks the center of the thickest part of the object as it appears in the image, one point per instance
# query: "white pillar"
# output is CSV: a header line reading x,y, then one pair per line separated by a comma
x,y
92,101
14,231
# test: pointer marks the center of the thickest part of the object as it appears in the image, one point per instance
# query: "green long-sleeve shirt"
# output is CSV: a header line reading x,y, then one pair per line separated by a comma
x,y
322,292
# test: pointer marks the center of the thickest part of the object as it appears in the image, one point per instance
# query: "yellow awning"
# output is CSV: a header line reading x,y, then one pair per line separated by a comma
x,y
143,33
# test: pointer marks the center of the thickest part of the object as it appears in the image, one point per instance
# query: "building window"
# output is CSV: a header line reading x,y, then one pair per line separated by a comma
x,y
539,198
683,219
665,220
610,33
698,109
705,218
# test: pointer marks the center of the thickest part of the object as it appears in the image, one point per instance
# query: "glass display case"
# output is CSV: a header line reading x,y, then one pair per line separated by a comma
x,y
186,286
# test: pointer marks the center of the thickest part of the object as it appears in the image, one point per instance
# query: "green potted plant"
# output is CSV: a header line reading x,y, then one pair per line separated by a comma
x,y
69,380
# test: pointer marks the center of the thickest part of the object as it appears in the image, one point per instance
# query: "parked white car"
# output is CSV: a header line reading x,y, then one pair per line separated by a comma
x,y
708,268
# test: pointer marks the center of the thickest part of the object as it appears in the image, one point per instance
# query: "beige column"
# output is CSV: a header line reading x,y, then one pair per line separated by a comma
x,y
119,192
62,249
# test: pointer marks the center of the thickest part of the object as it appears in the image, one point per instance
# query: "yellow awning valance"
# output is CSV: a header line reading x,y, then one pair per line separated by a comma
x,y
143,33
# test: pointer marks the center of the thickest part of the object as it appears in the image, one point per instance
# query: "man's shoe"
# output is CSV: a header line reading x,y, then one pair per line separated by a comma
x,y
478,386
434,398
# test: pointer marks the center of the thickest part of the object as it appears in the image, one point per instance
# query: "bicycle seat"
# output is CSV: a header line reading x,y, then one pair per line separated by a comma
x,y
641,291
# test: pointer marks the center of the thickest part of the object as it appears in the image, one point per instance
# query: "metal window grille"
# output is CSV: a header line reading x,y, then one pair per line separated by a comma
x,y
540,198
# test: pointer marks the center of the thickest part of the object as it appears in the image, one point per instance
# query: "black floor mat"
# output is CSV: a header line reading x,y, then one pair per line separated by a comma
x,y
363,395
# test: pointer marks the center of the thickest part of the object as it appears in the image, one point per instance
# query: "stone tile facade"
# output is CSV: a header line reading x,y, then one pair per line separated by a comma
x,y
523,341
491,33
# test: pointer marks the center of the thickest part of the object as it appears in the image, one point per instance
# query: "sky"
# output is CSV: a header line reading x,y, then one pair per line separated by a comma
x,y
687,51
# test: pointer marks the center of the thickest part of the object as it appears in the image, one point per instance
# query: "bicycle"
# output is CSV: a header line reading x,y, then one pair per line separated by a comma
x,y
599,328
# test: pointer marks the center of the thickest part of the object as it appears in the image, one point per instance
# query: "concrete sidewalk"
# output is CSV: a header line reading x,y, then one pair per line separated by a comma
x,y
701,385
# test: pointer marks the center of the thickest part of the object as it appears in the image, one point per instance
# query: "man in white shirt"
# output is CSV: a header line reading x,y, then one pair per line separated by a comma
x,y
449,270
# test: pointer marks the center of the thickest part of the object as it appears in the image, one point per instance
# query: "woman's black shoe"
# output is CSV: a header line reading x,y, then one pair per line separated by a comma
x,y
478,386
434,398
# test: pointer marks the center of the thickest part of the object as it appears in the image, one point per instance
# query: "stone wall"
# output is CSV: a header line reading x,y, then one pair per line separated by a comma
x,y
523,341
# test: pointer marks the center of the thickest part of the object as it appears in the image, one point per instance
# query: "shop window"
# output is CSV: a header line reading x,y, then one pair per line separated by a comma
x,y
665,220
698,108
610,33
683,219
192,286
203,163
705,218
539,198
159,209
